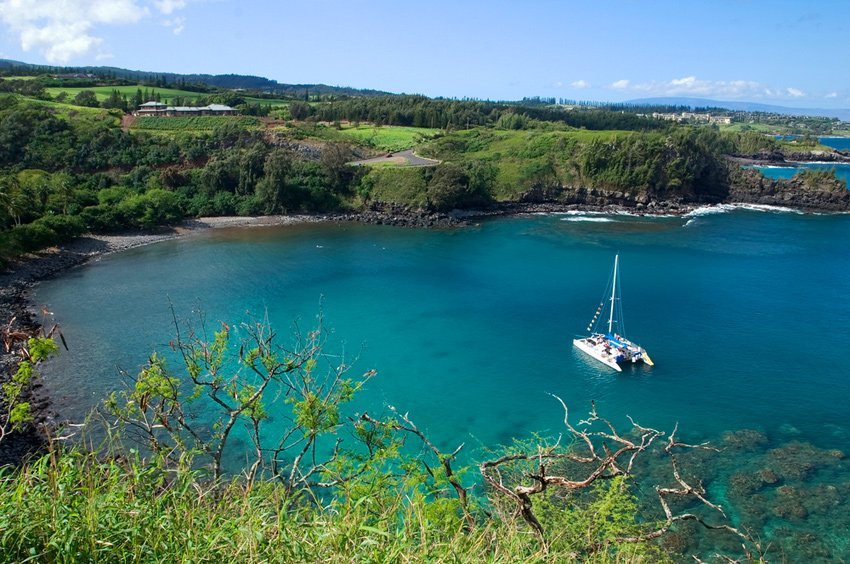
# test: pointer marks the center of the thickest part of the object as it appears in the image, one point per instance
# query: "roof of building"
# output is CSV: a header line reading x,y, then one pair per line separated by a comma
x,y
209,108
219,108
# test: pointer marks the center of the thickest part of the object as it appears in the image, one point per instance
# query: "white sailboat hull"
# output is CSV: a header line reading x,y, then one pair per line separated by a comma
x,y
612,353
596,352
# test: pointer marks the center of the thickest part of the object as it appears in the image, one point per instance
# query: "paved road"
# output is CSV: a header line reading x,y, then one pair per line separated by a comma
x,y
402,158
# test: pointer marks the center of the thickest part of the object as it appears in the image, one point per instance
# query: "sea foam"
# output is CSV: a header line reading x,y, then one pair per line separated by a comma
x,y
591,219
726,208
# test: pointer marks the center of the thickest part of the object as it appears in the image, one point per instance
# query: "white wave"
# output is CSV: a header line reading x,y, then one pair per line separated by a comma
x,y
726,208
581,212
787,167
709,210
592,219
689,222
767,208
611,213
830,163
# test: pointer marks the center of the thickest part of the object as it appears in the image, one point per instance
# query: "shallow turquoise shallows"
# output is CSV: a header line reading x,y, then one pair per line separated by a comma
x,y
746,313
840,170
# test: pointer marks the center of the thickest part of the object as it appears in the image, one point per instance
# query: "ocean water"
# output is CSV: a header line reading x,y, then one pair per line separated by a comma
x,y
840,143
841,170
745,312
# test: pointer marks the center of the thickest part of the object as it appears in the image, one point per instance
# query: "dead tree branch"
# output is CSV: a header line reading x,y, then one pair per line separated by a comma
x,y
597,444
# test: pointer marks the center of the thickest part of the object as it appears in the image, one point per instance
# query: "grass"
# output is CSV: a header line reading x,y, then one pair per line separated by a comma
x,y
765,128
194,123
74,506
70,111
522,158
103,92
398,185
387,138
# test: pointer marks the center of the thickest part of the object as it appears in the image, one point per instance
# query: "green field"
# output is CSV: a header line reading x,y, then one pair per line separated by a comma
x,y
68,111
388,138
103,92
771,129
194,123
166,94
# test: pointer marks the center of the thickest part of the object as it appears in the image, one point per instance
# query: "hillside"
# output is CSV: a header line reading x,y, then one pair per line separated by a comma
x,y
163,79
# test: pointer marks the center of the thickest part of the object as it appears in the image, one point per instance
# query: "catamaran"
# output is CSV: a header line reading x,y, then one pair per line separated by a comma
x,y
611,348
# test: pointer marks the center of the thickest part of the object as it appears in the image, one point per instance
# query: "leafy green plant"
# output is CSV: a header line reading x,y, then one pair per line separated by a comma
x,y
30,351
236,377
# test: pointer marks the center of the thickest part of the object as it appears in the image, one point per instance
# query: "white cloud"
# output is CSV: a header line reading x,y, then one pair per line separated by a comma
x,y
693,86
580,84
832,95
168,6
177,25
62,30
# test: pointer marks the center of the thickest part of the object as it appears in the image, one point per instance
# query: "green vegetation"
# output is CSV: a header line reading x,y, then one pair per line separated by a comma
x,y
103,92
387,138
173,479
32,350
194,123
67,166
71,506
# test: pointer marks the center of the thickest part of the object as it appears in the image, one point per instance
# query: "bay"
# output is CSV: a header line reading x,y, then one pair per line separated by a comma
x,y
744,311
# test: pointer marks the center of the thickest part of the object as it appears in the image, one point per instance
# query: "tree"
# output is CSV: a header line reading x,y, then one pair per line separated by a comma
x,y
115,100
237,383
86,98
251,164
138,98
63,189
299,110
335,159
273,189
11,197
597,451
448,187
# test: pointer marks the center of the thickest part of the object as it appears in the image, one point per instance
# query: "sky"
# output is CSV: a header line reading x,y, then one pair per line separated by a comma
x,y
784,52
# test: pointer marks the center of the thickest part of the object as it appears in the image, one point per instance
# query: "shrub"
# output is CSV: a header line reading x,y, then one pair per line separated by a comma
x,y
31,237
65,226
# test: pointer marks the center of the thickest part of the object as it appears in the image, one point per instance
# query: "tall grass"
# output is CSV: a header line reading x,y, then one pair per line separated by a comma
x,y
73,506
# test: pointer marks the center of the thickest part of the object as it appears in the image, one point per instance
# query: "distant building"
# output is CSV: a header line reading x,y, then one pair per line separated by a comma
x,y
160,109
693,117
720,120
152,109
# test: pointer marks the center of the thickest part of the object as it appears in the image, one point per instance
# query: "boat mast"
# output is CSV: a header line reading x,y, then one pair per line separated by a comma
x,y
613,293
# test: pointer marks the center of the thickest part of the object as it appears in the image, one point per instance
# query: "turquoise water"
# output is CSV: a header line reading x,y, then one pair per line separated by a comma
x,y
745,313
841,170
840,143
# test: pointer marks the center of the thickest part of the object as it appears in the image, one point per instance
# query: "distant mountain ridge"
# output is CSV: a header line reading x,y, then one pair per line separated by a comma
x,y
229,81
842,114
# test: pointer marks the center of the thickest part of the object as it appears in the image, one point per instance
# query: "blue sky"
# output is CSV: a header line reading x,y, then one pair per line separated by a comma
x,y
792,53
